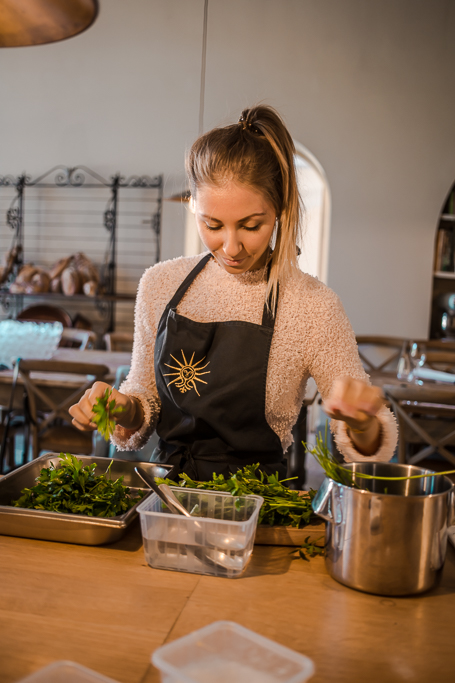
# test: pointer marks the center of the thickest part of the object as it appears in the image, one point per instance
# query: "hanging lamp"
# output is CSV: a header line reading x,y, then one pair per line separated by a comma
x,y
37,22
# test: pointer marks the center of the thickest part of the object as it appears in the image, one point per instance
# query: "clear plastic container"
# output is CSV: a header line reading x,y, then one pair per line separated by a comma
x,y
226,652
66,672
219,541
28,339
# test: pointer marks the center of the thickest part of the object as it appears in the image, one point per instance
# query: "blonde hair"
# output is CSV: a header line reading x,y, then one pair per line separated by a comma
x,y
258,152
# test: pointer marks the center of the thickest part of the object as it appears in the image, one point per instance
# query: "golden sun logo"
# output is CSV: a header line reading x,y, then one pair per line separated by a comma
x,y
188,374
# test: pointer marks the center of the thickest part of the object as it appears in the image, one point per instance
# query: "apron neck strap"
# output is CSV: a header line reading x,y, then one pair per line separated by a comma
x,y
180,293
268,318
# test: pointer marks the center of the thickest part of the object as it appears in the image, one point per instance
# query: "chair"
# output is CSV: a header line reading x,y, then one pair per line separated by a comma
x,y
118,341
378,354
440,355
7,448
49,394
78,339
45,313
426,420
12,423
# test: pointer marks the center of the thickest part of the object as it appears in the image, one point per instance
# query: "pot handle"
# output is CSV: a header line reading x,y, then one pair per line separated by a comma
x,y
322,502
451,508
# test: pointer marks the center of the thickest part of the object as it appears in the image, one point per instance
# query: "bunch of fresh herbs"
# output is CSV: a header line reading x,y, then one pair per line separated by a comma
x,y
282,506
74,488
104,411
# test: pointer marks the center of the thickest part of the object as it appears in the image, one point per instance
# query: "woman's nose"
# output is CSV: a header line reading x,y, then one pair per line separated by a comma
x,y
232,246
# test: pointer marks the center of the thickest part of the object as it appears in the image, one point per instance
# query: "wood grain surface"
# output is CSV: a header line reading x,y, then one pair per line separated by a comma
x,y
289,536
104,608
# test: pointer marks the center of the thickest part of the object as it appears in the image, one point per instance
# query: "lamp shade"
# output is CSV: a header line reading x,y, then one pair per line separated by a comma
x,y
36,22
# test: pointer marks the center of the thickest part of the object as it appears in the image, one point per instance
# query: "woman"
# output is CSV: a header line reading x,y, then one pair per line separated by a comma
x,y
226,341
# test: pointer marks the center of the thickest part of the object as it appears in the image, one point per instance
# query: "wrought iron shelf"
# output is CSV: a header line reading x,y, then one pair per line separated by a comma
x,y
74,179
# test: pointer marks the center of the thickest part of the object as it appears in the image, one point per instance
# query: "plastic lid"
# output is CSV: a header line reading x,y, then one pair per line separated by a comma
x,y
66,672
226,651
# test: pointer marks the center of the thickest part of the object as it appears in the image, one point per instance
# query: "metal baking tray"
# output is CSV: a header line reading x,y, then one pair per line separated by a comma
x,y
69,528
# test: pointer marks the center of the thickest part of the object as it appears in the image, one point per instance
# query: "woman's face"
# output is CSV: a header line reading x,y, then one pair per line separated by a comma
x,y
236,224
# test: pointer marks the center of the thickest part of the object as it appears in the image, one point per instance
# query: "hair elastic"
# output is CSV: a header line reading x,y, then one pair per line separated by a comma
x,y
247,125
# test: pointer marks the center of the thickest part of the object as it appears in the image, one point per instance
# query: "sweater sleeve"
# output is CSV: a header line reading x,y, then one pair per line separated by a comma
x,y
335,355
140,382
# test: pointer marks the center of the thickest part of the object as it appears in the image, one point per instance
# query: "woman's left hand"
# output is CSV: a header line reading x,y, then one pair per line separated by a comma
x,y
356,403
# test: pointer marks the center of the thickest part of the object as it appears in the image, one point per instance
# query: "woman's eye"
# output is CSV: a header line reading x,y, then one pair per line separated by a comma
x,y
213,227
252,227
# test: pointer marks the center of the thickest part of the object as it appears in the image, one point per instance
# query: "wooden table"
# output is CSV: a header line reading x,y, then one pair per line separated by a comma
x,y
103,607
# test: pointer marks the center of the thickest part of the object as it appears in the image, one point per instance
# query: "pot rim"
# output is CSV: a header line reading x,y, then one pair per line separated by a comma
x,y
396,495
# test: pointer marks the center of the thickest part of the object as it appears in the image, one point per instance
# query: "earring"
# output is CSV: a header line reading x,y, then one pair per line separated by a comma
x,y
272,242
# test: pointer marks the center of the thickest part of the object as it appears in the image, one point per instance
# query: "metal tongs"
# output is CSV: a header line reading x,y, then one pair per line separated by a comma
x,y
164,492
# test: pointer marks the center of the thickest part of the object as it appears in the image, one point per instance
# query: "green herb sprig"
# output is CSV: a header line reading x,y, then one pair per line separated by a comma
x,y
104,411
343,475
74,488
324,457
282,506
308,549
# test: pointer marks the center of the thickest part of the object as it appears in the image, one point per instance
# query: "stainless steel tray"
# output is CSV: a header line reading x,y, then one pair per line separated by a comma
x,y
68,528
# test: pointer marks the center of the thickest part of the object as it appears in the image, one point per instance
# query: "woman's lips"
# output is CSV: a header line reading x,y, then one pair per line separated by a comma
x,y
232,262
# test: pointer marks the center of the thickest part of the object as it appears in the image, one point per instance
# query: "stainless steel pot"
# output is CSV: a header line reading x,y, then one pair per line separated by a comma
x,y
388,538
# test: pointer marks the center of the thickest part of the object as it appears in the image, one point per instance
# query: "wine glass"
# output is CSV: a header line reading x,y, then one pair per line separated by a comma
x,y
417,357
404,367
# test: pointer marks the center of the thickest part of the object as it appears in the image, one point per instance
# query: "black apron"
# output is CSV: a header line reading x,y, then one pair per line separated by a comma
x,y
211,380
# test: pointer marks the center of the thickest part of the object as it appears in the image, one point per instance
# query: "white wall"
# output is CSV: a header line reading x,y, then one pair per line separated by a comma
x,y
366,86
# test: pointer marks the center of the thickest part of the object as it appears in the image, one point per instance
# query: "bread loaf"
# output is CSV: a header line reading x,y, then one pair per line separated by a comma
x,y
40,282
58,268
90,288
86,269
71,282
26,273
15,288
56,285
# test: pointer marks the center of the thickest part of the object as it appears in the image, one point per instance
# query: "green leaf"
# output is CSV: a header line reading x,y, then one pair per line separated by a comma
x,y
103,412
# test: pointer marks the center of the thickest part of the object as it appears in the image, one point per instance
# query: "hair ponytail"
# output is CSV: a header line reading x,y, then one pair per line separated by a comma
x,y
258,152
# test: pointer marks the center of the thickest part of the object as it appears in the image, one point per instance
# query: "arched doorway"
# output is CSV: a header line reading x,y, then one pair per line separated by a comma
x,y
315,193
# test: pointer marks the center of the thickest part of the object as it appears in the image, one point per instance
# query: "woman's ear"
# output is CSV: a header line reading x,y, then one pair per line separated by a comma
x,y
192,205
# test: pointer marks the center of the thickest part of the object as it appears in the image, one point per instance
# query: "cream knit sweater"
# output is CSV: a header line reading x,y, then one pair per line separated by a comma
x,y
312,337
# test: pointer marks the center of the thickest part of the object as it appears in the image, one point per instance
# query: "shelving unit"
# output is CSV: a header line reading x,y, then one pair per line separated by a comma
x,y
442,323
61,212
444,276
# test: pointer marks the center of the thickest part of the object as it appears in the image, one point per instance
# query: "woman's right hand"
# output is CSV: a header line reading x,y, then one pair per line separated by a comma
x,y
82,412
